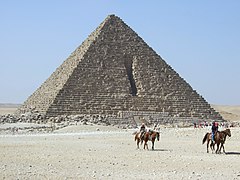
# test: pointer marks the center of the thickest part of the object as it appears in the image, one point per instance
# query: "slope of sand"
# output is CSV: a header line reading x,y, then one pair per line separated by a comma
x,y
230,113
100,152
8,108
106,152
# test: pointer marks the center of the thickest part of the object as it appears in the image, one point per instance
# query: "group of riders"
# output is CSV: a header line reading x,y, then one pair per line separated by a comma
x,y
215,137
143,130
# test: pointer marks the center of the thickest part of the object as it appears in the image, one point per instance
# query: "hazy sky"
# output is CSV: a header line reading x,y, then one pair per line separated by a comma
x,y
199,39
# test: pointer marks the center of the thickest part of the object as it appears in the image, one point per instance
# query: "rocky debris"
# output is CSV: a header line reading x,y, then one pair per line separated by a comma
x,y
27,117
48,124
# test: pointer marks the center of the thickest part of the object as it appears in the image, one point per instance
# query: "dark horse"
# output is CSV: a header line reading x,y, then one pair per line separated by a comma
x,y
148,136
220,138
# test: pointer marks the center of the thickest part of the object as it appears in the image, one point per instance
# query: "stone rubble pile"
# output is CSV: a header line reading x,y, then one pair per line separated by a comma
x,y
49,124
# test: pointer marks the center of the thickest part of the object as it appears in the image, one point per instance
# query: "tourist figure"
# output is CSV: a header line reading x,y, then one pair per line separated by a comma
x,y
205,124
195,125
214,130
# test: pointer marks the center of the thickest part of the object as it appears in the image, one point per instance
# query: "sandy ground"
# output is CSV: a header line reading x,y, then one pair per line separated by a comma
x,y
230,113
100,152
7,110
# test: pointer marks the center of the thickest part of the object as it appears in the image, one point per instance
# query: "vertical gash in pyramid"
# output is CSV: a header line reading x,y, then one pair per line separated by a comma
x,y
113,71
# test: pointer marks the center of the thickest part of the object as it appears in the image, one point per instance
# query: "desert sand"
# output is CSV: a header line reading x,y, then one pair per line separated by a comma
x,y
230,113
8,108
107,152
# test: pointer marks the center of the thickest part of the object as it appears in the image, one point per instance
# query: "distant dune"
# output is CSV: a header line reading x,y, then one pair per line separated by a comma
x,y
230,113
9,105
8,108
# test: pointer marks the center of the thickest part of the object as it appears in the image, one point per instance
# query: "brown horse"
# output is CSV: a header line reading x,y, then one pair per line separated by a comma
x,y
208,137
220,138
138,138
148,136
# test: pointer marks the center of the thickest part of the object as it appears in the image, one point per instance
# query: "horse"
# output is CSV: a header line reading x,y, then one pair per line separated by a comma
x,y
220,138
137,138
148,136
208,137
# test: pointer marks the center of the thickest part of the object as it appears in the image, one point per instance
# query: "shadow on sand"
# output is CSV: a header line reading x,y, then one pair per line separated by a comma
x,y
169,150
232,153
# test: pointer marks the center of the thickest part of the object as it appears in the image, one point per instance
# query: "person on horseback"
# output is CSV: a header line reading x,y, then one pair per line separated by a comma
x,y
142,130
155,127
214,130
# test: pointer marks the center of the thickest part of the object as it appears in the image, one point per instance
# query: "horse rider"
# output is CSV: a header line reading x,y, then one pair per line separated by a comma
x,y
155,127
142,130
214,130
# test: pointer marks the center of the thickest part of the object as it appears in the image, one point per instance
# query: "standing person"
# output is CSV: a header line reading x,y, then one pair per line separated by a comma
x,y
214,130
195,125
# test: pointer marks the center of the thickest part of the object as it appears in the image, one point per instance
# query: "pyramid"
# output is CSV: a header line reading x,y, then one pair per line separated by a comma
x,y
114,71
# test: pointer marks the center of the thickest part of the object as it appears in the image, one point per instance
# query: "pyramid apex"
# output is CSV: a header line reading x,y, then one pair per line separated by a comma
x,y
112,17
